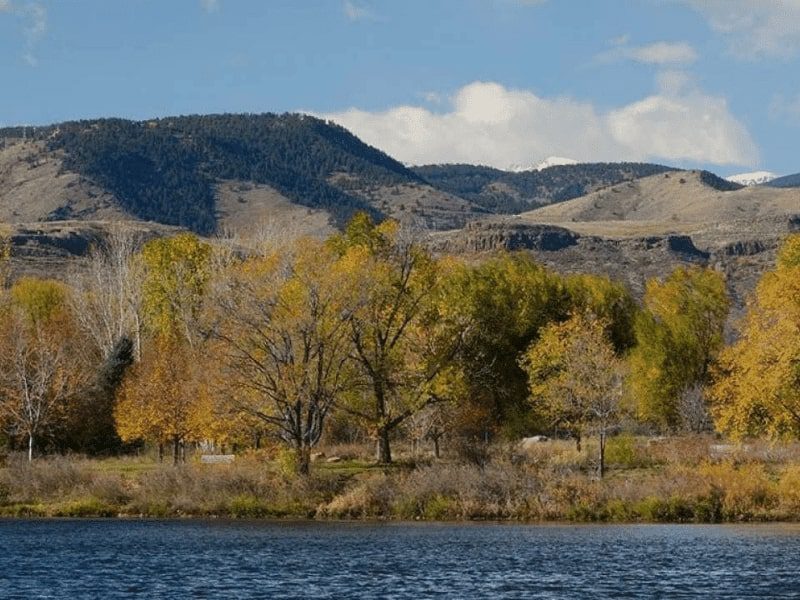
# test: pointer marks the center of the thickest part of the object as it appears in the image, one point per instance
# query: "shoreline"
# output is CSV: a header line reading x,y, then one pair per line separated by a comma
x,y
60,515
298,521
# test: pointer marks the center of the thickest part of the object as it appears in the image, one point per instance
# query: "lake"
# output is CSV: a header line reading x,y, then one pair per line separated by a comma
x,y
249,559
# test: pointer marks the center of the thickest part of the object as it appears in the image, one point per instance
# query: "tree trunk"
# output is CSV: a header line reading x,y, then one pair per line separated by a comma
x,y
578,442
383,450
161,452
436,447
303,461
30,447
183,452
601,469
175,448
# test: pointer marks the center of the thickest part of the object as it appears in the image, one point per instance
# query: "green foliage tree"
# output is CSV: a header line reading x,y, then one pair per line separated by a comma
x,y
177,270
678,336
508,299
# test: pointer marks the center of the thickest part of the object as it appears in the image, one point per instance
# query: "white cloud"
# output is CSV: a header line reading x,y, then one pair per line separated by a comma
x,y
487,123
754,28
210,6
357,12
5,5
658,53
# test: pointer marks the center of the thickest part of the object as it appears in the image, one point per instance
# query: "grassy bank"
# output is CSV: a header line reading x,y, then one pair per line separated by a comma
x,y
690,479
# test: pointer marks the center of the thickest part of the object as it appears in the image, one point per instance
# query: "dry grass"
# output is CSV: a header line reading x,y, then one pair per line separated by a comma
x,y
682,479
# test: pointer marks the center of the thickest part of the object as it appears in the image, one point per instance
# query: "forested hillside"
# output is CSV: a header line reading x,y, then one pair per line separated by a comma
x,y
507,192
164,170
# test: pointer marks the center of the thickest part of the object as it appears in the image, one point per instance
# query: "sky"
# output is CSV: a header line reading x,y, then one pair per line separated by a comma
x,y
693,83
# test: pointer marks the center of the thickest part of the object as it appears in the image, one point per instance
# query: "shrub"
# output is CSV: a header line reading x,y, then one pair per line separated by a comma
x,y
87,507
626,452
247,507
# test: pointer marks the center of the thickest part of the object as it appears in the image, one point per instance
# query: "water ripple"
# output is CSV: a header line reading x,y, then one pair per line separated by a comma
x,y
224,559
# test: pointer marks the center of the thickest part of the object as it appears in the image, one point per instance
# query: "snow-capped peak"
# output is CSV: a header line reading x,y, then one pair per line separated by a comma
x,y
550,161
754,178
555,161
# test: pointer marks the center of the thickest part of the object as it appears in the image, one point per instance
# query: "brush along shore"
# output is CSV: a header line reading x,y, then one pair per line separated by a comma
x,y
688,479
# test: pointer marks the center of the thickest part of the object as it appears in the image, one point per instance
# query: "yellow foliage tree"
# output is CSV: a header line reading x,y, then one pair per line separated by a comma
x,y
576,378
163,399
757,380
403,339
280,326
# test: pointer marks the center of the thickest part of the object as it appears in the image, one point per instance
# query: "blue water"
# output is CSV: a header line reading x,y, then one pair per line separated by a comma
x,y
224,559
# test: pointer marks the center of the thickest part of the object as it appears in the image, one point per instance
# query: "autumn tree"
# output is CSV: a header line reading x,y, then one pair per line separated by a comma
x,y
757,380
177,271
402,339
576,378
40,363
281,329
162,399
678,336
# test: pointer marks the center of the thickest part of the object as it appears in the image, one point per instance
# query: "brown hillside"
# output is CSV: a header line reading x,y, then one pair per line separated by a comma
x,y
676,201
34,186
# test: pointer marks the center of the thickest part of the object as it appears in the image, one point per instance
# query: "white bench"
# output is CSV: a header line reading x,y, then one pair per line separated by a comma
x,y
217,459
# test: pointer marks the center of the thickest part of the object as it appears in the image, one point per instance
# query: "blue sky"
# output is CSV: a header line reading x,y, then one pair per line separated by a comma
x,y
710,83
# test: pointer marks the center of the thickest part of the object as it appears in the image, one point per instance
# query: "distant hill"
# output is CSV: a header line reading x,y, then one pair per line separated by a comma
x,y
787,181
514,192
671,201
165,169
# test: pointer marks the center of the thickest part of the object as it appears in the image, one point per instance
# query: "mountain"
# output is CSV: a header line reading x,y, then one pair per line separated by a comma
x,y
644,228
788,181
210,173
501,192
171,171
754,178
